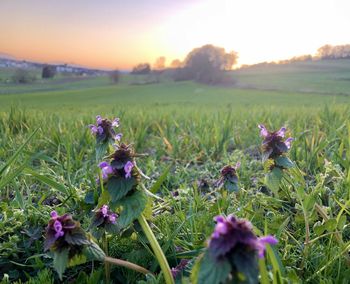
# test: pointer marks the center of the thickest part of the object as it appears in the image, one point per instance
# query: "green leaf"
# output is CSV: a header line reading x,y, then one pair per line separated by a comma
x,y
19,199
76,237
133,206
319,228
76,260
273,179
90,197
60,262
213,271
231,186
20,149
331,225
104,198
284,162
47,180
341,222
94,252
101,149
119,187
160,180
246,264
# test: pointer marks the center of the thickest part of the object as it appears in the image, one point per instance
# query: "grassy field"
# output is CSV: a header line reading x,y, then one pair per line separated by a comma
x,y
193,130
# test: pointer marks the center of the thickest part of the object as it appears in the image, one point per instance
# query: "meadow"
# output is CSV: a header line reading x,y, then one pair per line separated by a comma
x,y
187,132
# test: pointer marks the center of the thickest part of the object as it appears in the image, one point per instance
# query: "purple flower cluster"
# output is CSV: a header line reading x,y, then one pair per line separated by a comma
x,y
62,232
175,271
274,143
107,215
103,221
229,178
104,129
232,233
107,169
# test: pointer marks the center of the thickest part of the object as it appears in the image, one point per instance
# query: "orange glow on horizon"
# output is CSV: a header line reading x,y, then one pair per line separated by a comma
x,y
109,35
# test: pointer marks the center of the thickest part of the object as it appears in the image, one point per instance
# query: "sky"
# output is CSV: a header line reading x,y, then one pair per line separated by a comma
x,y
120,34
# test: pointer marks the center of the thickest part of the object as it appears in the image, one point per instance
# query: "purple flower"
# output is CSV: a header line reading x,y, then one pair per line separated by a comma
x,y
281,132
58,228
103,164
99,130
106,169
112,218
115,122
263,130
99,119
273,144
93,129
59,231
128,168
54,215
104,129
262,242
288,142
232,234
103,217
118,137
104,210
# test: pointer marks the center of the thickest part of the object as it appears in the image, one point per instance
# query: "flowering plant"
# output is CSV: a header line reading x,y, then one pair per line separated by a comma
x,y
102,221
232,253
69,243
274,154
229,178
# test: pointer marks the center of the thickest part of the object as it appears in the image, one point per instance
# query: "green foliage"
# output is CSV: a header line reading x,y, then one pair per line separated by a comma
x,y
119,187
60,261
212,271
132,207
284,162
273,179
94,252
206,128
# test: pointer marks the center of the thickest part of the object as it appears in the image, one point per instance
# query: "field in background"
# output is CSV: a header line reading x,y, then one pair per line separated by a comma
x,y
196,130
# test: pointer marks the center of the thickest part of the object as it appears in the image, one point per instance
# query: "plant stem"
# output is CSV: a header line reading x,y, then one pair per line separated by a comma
x,y
127,264
107,265
157,250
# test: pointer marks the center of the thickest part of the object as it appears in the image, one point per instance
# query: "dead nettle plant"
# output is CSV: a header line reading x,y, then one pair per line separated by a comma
x,y
69,244
275,158
121,197
234,254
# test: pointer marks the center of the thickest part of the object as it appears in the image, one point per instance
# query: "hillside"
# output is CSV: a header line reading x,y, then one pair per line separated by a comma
x,y
321,77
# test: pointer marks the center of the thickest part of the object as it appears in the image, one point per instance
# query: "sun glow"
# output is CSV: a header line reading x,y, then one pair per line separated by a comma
x,y
257,30
121,35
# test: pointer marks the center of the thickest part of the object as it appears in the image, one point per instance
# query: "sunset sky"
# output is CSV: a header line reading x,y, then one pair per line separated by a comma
x,y
120,34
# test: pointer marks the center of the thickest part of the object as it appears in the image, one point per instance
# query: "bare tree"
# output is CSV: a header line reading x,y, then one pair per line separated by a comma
x,y
141,69
115,76
160,63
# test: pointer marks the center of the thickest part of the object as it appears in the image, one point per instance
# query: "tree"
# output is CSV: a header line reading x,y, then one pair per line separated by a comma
x,y
49,71
160,63
115,76
207,64
334,52
23,76
141,69
176,63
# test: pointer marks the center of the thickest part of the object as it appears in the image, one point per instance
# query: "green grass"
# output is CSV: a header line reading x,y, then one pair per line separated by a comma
x,y
195,130
322,77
